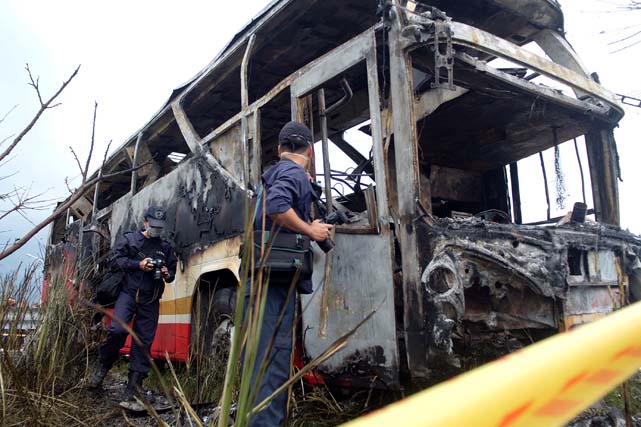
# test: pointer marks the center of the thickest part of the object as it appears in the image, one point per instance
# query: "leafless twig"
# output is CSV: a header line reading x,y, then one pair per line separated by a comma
x,y
75,156
61,209
44,105
21,201
7,113
67,184
93,134
84,171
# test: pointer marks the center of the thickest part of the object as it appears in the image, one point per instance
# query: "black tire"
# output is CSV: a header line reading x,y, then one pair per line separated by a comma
x,y
211,331
211,321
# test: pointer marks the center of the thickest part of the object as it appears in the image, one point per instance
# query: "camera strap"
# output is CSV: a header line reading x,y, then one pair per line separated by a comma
x,y
258,199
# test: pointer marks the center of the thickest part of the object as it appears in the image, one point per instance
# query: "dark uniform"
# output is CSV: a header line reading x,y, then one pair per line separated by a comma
x,y
286,186
140,297
138,300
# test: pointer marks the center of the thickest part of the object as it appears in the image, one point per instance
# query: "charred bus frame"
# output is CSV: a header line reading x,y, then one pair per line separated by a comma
x,y
439,283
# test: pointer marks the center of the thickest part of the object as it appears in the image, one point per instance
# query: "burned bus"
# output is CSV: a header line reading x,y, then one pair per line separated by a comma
x,y
421,111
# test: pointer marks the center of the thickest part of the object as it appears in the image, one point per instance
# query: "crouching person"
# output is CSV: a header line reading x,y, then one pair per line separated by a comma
x,y
148,262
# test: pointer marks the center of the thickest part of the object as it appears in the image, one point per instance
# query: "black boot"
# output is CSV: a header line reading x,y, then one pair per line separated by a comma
x,y
96,380
134,386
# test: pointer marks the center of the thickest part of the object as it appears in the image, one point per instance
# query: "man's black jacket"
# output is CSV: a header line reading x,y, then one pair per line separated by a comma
x,y
129,251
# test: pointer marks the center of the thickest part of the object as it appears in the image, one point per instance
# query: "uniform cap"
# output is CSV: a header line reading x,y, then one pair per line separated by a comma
x,y
295,134
156,216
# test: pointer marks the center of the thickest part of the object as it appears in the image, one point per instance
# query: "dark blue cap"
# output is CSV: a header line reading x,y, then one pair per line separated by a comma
x,y
295,135
156,216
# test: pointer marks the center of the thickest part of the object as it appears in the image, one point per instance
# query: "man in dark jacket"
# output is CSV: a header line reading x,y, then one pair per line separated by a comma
x,y
288,196
148,262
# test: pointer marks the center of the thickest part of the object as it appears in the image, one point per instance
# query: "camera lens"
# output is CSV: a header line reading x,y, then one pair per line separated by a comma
x,y
326,245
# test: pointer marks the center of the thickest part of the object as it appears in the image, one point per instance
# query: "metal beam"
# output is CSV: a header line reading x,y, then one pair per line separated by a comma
x,y
186,127
405,146
378,150
540,91
196,146
560,51
244,96
134,164
516,192
604,172
339,60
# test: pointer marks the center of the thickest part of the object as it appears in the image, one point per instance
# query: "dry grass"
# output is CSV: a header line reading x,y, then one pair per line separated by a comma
x,y
41,373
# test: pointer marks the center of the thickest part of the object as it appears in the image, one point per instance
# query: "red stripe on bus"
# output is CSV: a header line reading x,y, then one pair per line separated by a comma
x,y
172,338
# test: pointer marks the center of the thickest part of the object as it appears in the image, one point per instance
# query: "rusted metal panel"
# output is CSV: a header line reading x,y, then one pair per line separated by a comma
x,y
227,149
357,289
591,300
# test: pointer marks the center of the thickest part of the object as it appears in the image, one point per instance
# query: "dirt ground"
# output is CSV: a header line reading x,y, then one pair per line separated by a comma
x,y
320,408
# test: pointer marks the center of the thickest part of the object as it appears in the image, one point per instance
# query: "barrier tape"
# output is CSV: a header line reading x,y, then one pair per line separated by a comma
x,y
545,384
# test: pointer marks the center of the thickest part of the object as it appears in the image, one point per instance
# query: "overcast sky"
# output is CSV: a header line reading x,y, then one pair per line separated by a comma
x,y
133,53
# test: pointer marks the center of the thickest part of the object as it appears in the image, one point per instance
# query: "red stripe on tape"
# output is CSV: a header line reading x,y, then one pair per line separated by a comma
x,y
511,417
603,376
557,408
574,381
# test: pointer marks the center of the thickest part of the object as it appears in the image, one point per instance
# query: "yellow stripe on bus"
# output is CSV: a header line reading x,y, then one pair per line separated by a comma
x,y
176,306
545,384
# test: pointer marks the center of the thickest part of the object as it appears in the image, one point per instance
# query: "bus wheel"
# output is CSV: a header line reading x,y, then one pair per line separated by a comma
x,y
212,324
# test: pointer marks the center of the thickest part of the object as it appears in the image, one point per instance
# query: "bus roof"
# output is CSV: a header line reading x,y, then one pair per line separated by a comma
x,y
292,33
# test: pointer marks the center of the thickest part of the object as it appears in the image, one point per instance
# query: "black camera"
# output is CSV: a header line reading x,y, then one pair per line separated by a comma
x,y
335,218
157,264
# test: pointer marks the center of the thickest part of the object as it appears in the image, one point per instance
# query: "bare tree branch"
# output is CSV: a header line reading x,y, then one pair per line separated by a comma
x,y
43,107
35,84
104,157
21,202
75,156
5,139
20,198
67,184
7,113
93,133
625,38
60,210
2,178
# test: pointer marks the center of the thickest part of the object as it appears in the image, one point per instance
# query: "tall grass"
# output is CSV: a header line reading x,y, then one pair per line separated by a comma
x,y
41,373
203,376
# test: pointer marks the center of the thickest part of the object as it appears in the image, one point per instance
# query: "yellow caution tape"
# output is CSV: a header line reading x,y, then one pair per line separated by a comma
x,y
545,384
